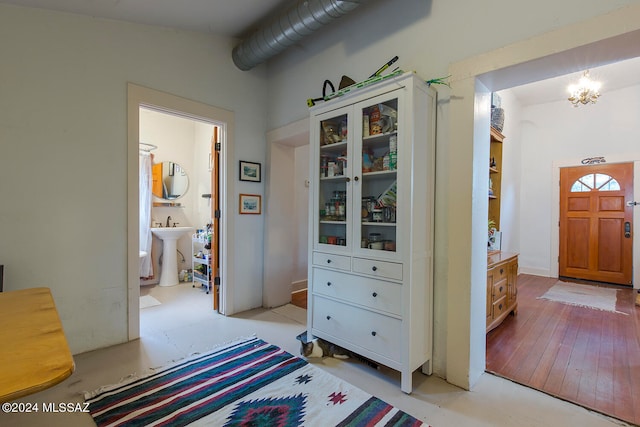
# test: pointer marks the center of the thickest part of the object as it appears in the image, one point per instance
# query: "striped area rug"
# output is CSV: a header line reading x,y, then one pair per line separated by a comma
x,y
246,383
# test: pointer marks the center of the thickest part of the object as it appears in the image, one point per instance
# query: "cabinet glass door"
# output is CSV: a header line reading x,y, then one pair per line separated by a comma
x,y
379,174
333,189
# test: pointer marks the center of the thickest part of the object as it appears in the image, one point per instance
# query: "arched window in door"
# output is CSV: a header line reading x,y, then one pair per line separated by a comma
x,y
595,181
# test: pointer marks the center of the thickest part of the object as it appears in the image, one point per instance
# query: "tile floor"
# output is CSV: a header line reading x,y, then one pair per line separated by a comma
x,y
185,323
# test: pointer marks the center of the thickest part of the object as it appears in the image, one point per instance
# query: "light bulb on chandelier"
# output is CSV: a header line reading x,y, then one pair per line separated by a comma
x,y
585,92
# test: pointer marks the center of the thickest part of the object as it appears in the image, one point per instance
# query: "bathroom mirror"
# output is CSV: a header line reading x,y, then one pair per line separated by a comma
x,y
170,181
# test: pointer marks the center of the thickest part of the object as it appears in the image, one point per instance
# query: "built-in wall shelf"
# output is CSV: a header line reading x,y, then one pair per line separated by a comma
x,y
167,205
495,175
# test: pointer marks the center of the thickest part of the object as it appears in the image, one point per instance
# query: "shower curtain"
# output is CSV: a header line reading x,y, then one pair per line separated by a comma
x,y
146,266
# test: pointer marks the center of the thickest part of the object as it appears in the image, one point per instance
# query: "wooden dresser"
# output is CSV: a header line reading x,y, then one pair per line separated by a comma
x,y
502,274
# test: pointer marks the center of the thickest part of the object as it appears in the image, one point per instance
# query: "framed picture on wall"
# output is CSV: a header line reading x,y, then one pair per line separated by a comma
x,y
250,204
249,171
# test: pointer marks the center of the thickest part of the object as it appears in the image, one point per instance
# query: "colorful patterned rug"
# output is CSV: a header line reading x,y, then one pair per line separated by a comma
x,y
246,383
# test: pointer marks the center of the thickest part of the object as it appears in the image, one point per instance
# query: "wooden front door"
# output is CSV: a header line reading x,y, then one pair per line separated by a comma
x,y
596,225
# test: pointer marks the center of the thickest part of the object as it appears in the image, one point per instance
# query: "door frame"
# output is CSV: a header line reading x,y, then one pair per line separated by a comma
x,y
554,250
140,96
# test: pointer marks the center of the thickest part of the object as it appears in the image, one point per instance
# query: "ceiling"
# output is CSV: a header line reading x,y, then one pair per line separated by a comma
x,y
238,17
229,18
614,76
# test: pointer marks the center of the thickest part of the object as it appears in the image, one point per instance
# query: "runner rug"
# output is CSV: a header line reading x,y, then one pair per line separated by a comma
x,y
589,296
246,383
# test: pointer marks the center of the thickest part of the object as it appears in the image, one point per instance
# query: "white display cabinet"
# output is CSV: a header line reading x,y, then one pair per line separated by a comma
x,y
371,227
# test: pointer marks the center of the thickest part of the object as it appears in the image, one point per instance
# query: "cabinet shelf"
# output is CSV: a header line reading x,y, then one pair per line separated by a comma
x,y
335,147
380,174
334,178
381,224
202,278
204,261
378,137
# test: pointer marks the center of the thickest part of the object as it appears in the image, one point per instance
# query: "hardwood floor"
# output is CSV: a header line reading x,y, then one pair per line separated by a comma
x,y
299,298
586,356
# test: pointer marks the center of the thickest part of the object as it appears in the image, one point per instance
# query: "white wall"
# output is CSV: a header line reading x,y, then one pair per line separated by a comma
x,y
301,213
510,191
63,164
286,215
201,183
558,133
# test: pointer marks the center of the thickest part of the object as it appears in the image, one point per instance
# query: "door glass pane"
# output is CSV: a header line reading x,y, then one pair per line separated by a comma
x,y
333,195
595,181
379,176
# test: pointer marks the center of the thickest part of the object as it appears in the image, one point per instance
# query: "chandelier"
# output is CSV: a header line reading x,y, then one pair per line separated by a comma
x,y
585,92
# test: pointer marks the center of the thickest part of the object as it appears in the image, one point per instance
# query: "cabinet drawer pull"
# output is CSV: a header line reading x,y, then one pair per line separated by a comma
x,y
375,294
500,307
348,179
328,317
501,270
500,288
356,178
374,333
328,283
328,261
374,268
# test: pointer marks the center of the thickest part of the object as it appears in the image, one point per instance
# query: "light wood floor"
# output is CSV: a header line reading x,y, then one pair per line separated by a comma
x,y
582,355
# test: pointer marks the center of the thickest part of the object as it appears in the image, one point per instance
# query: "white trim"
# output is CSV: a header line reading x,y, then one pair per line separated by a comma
x,y
139,96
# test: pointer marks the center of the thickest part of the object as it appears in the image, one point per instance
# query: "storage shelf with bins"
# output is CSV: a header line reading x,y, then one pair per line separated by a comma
x,y
371,231
201,261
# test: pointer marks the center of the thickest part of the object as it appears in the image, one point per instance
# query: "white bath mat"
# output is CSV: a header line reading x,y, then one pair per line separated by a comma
x,y
583,296
148,301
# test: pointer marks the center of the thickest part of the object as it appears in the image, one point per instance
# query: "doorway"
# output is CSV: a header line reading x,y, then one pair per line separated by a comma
x,y
182,159
596,224
139,96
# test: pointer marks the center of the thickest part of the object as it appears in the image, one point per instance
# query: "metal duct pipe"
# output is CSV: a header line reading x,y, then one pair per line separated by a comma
x,y
299,21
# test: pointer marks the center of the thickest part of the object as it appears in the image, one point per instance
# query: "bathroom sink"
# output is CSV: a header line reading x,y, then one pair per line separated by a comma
x,y
166,233
170,236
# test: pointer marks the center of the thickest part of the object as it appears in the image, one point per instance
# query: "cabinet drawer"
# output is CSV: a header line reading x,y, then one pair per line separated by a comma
x,y
372,331
373,293
499,306
388,270
499,289
499,272
341,262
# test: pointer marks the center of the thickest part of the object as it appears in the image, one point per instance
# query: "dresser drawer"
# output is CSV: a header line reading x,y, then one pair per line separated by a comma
x,y
386,269
372,293
499,289
499,306
340,262
499,272
372,331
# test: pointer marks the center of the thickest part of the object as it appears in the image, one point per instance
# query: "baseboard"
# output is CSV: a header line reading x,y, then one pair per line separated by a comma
x,y
298,285
543,272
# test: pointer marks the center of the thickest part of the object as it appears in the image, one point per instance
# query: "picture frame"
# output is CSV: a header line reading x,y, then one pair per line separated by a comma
x,y
250,171
250,204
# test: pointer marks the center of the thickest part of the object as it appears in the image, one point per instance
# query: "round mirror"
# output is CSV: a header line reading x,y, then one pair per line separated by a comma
x,y
170,181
